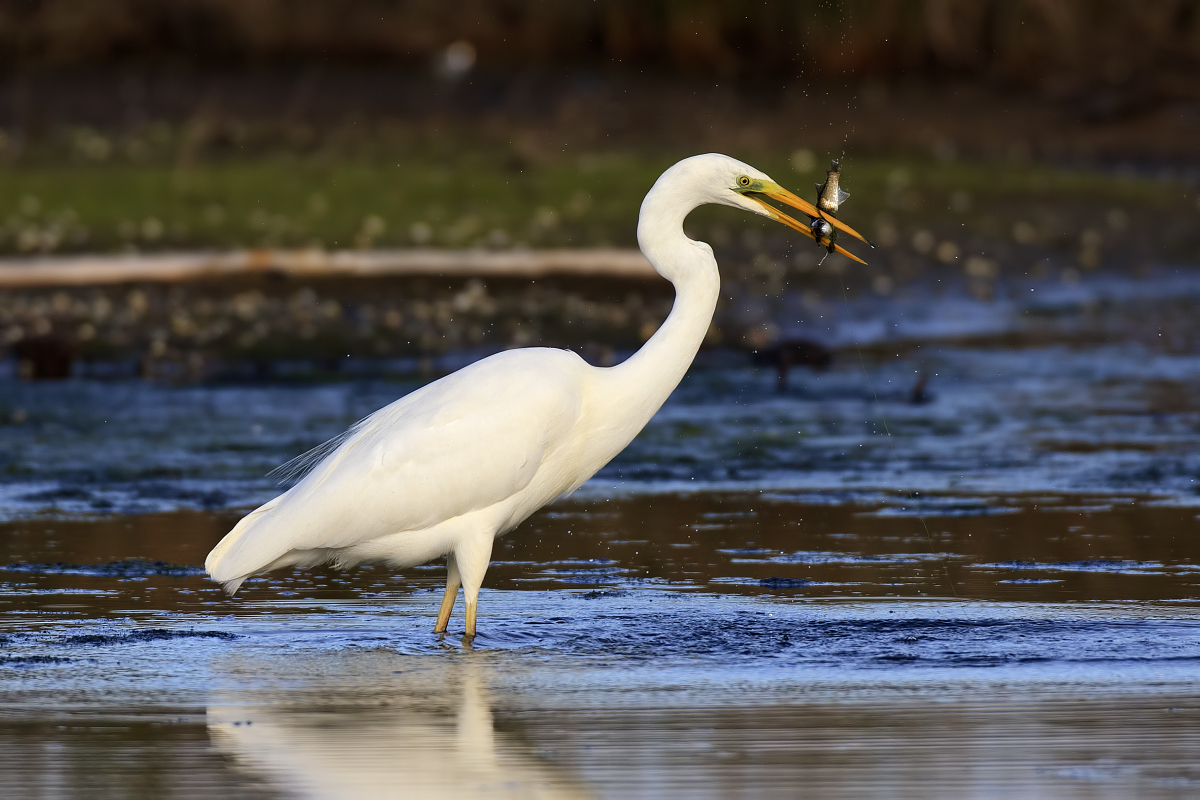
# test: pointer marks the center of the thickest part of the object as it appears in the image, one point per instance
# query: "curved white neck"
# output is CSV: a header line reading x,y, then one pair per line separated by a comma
x,y
644,382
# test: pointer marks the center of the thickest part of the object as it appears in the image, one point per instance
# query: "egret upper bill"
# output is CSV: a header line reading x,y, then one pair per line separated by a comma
x,y
446,469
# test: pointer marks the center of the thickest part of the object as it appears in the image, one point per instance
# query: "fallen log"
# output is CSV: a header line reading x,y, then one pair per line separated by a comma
x,y
84,270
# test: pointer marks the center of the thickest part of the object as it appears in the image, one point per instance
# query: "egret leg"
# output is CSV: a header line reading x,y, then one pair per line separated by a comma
x,y
471,609
472,557
453,581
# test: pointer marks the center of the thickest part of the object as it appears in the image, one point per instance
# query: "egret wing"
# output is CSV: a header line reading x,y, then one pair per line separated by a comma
x,y
466,442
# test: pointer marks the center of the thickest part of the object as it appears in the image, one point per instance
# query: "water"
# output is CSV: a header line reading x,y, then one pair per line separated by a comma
x,y
1066,389
700,645
830,591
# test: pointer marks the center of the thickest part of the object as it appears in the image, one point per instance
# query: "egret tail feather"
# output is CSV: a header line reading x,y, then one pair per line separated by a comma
x,y
301,465
227,563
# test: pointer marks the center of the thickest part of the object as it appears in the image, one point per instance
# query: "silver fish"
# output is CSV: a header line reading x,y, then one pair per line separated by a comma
x,y
829,195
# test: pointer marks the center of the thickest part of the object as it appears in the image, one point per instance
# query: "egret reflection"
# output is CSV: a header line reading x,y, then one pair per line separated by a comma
x,y
431,735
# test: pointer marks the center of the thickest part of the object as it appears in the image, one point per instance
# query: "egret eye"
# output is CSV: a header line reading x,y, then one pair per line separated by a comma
x,y
744,181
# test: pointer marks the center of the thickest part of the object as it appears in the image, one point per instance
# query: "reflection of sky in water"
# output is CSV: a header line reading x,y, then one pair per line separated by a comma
x,y
1077,416
699,644
632,694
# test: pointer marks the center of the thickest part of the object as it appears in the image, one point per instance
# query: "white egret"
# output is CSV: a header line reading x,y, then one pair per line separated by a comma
x,y
445,470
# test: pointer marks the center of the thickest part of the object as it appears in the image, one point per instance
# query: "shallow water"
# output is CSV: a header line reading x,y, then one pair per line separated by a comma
x,y
830,591
1082,390
698,645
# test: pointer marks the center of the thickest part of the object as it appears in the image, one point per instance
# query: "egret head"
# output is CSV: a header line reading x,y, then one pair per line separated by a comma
x,y
719,179
751,190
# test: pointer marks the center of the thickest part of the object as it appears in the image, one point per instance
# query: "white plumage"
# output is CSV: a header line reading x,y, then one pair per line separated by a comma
x,y
446,469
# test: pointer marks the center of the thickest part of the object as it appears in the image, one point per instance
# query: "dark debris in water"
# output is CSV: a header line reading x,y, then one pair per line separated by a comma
x,y
214,498
128,568
601,594
144,635
67,496
29,661
54,495
784,583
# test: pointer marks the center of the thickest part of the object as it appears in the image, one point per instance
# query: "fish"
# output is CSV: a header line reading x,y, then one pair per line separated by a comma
x,y
829,194
829,199
823,225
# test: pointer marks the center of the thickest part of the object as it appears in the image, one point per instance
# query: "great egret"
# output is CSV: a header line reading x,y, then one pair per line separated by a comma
x,y
445,470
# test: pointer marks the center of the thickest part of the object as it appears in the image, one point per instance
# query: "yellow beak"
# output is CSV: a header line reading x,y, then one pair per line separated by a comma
x,y
779,216
777,192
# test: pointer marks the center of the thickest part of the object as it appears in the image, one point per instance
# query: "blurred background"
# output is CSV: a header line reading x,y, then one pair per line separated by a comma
x,y
981,142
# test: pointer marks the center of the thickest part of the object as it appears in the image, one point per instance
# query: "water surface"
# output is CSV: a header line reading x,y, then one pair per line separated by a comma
x,y
698,645
829,591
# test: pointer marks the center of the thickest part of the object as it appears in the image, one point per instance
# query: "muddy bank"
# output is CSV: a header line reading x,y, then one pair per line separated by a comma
x,y
275,328
189,331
